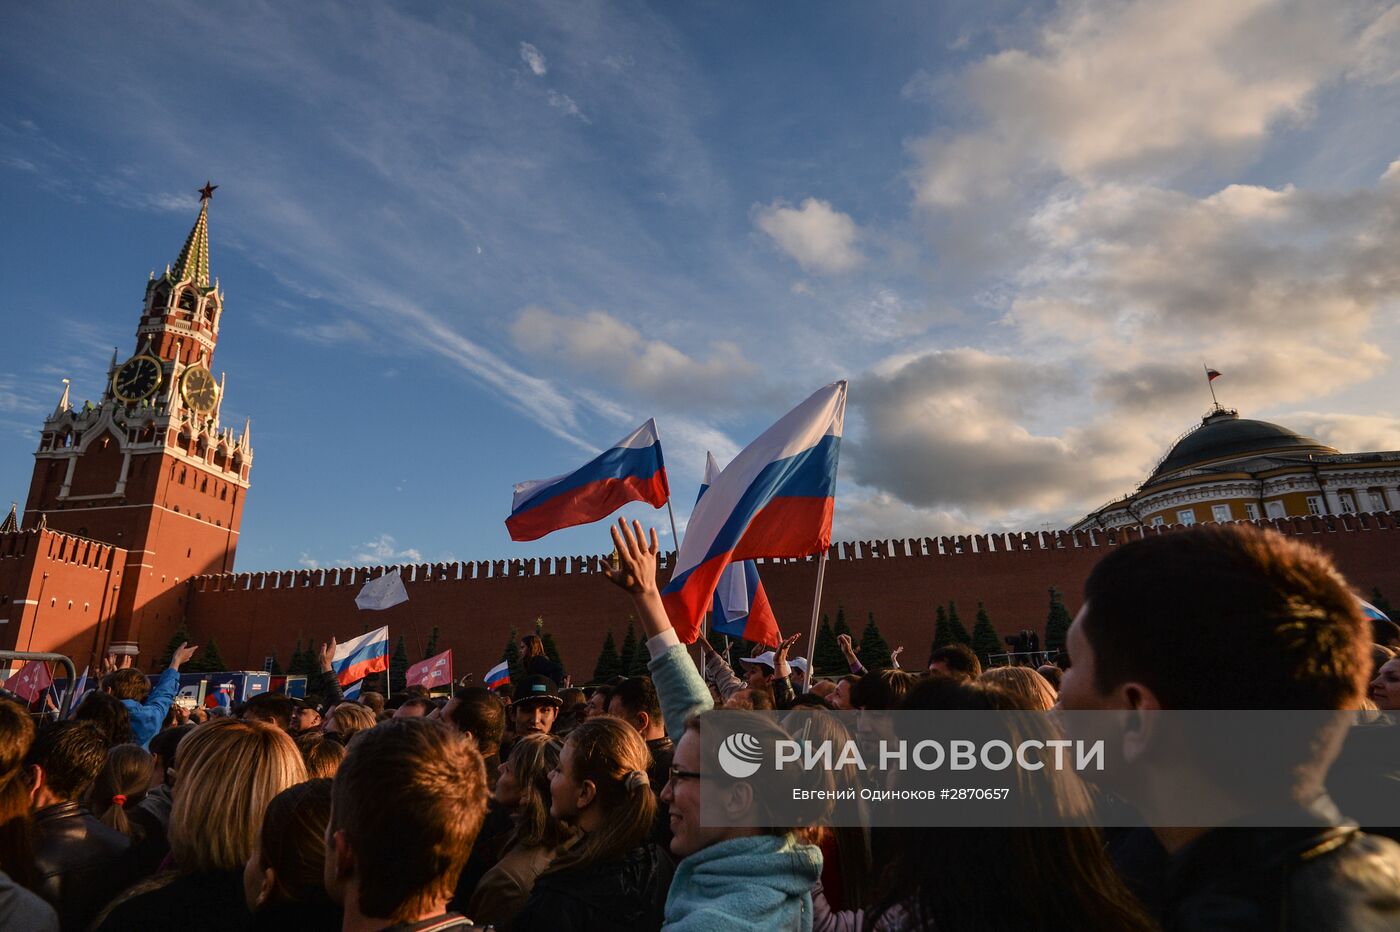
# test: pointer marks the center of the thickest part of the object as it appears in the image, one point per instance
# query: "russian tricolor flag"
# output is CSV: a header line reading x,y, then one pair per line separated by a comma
x,y
774,500
741,608
499,675
631,471
1371,612
366,654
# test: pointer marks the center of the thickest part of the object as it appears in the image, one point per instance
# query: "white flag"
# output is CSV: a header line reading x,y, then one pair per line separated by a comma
x,y
384,592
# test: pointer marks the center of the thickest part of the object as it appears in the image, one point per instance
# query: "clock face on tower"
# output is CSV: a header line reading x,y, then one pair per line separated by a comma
x,y
138,378
198,388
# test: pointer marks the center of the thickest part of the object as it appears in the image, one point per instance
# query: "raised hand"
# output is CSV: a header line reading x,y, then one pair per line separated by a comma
x,y
894,656
327,654
126,661
783,648
182,653
844,641
635,569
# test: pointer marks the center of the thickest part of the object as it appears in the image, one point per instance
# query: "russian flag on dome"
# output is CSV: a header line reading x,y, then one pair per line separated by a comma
x,y
741,608
499,675
632,470
357,658
774,500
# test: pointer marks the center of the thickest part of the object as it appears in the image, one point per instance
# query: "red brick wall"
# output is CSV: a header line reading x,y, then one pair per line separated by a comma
x,y
57,592
901,582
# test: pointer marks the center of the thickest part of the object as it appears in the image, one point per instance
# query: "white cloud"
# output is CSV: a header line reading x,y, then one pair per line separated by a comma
x,y
1147,88
1349,433
944,431
820,238
385,550
601,345
565,104
533,59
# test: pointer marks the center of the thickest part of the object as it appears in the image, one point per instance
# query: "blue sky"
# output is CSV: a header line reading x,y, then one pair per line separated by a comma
x,y
466,244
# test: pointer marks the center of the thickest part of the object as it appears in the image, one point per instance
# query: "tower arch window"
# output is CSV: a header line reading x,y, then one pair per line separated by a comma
x,y
187,300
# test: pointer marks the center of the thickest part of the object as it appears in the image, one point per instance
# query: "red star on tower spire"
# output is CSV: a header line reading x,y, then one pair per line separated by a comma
x,y
207,191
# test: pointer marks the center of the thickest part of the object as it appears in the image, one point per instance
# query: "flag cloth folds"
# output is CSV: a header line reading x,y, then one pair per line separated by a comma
x,y
774,500
499,675
1371,612
382,592
352,692
740,608
631,471
435,671
78,690
366,654
1212,375
31,680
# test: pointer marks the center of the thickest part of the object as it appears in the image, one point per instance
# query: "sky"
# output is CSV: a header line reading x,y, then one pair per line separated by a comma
x,y
469,244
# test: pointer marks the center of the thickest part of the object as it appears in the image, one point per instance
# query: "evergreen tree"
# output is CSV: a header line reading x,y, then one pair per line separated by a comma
x,y
305,662
985,640
874,653
955,625
629,647
609,664
431,649
207,659
841,627
1379,601
511,655
640,658
398,668
181,636
827,659
942,633
1057,622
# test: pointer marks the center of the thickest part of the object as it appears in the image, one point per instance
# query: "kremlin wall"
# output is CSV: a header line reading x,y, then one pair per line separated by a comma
x,y
134,514
900,581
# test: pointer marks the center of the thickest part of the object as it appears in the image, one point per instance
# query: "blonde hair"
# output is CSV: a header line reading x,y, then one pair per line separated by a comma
x,y
351,717
1024,683
229,771
321,754
609,752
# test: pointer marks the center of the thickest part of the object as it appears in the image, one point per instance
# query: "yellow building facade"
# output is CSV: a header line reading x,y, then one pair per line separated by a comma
x,y
1230,468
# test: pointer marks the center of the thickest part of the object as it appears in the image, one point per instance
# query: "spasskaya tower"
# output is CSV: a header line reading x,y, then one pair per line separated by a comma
x,y
149,468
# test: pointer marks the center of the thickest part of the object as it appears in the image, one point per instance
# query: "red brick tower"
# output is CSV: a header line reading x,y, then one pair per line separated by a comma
x,y
149,468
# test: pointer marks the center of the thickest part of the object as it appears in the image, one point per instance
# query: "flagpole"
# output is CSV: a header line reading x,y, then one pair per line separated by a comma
x,y
1210,383
816,613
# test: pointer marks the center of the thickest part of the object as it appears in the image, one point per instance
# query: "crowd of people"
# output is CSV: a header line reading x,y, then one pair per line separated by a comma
x,y
561,808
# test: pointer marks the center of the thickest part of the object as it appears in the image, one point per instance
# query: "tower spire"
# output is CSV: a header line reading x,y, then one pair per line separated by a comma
x,y
193,261
11,524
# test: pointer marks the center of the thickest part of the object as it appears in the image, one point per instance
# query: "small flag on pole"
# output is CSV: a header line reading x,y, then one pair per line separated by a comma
x,y
366,654
435,671
499,675
1212,375
383,592
31,680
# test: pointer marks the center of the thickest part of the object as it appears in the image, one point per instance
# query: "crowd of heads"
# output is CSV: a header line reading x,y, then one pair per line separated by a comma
x,y
308,813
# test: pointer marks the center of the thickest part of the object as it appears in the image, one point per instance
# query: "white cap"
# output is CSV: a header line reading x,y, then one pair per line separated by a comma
x,y
765,658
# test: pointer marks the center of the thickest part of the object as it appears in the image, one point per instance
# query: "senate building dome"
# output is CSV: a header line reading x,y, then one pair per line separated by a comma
x,y
1229,468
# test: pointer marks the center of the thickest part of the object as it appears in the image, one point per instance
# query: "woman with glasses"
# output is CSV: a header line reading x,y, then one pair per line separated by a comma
x,y
741,875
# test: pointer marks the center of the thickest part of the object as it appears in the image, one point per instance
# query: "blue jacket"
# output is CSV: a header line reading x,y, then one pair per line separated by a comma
x,y
148,716
679,689
756,882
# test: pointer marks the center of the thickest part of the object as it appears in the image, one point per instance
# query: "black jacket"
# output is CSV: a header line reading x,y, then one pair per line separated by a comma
x,y
1327,876
81,863
209,902
543,666
618,896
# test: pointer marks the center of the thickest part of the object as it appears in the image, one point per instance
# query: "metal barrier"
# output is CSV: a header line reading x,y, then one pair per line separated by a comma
x,y
26,656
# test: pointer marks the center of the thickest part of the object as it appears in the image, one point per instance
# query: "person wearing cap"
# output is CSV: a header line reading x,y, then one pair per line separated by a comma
x,y
306,717
535,705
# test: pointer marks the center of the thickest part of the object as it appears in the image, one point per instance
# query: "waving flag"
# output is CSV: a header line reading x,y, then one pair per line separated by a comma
x,y
435,671
1371,612
499,675
774,500
740,608
31,680
382,592
352,692
366,654
631,471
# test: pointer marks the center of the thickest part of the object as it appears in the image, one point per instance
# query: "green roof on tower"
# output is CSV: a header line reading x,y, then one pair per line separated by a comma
x,y
193,263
